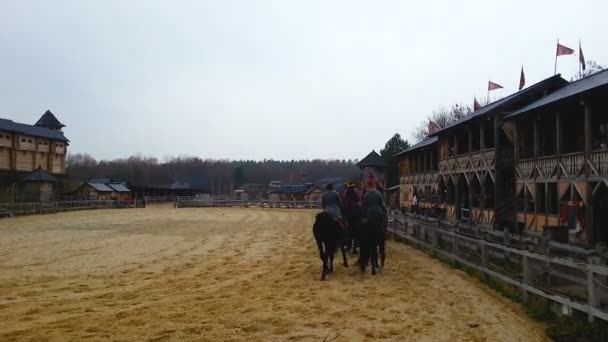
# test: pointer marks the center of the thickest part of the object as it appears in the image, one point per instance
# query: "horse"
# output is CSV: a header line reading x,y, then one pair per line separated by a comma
x,y
328,233
372,243
353,218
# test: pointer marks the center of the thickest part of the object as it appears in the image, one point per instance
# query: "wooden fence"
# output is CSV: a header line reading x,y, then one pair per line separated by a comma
x,y
193,202
37,208
574,284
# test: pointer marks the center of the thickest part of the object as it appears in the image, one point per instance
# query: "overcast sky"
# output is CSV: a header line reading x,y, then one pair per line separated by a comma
x,y
272,79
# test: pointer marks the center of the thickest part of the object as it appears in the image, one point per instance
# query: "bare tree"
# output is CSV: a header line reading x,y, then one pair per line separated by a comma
x,y
441,118
591,67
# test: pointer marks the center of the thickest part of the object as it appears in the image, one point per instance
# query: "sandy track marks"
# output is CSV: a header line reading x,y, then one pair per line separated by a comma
x,y
226,274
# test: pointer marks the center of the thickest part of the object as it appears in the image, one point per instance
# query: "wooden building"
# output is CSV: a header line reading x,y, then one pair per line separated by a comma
x,y
419,176
24,148
373,168
38,186
561,161
459,173
533,162
104,191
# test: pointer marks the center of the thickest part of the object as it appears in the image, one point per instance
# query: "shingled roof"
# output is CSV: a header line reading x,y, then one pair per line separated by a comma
x,y
39,175
597,81
512,102
423,143
373,159
36,131
49,120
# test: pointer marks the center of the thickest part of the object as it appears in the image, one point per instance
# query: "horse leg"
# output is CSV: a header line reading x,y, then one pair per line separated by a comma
x,y
332,252
382,248
323,258
374,258
344,256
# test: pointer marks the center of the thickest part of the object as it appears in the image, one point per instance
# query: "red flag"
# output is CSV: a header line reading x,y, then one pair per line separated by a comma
x,y
432,127
493,86
476,104
522,79
563,50
581,57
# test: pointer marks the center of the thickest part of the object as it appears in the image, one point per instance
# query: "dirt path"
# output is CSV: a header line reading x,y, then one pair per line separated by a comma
x,y
226,274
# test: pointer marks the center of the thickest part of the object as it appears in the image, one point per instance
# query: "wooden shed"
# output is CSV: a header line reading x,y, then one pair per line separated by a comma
x,y
38,186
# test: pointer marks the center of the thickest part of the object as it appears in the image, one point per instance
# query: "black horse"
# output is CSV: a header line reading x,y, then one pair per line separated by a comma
x,y
353,217
328,234
372,242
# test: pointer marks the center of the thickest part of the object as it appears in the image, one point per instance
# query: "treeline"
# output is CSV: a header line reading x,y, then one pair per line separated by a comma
x,y
220,174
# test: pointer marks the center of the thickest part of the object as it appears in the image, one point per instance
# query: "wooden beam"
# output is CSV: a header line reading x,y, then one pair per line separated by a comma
x,y
482,131
588,191
470,136
536,137
558,136
516,142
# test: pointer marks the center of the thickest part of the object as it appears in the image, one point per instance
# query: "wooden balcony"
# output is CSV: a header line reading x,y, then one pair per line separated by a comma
x,y
599,163
572,165
477,161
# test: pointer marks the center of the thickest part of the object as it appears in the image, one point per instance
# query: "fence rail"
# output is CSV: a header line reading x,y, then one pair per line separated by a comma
x,y
579,285
37,208
193,202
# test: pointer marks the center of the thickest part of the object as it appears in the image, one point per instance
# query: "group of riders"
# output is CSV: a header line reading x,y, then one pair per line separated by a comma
x,y
355,211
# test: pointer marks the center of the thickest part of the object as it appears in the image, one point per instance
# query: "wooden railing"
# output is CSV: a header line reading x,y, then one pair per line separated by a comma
x,y
517,267
36,208
600,162
573,163
193,202
446,165
525,167
546,165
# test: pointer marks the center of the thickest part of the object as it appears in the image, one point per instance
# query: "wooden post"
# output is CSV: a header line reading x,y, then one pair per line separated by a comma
x,y
527,275
470,133
454,247
536,138
482,133
484,258
424,162
455,144
593,291
434,239
591,237
516,143
558,136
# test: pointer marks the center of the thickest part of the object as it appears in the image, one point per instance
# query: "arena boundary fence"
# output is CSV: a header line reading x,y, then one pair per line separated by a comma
x,y
573,284
38,208
193,202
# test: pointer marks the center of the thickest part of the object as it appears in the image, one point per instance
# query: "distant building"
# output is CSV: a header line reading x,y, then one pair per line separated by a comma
x,y
38,186
275,184
95,190
24,148
373,168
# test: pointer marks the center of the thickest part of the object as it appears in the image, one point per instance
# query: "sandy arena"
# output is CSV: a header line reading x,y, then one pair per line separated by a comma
x,y
161,274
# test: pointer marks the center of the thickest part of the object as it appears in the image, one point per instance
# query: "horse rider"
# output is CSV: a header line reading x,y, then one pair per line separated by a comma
x,y
332,203
375,211
351,204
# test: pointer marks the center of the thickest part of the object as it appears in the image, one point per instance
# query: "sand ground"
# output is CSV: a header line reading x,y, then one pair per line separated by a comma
x,y
161,274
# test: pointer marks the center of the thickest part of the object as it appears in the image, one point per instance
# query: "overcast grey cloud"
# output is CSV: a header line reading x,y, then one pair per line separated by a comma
x,y
272,79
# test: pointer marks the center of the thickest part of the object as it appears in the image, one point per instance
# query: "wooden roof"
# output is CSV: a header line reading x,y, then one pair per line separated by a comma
x,y
373,159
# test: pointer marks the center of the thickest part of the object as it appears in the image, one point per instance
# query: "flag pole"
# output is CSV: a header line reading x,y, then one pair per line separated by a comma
x,y
555,67
580,70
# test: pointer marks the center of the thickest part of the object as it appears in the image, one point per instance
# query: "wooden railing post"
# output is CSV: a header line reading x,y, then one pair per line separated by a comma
x,y
527,275
454,247
484,258
433,239
593,291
